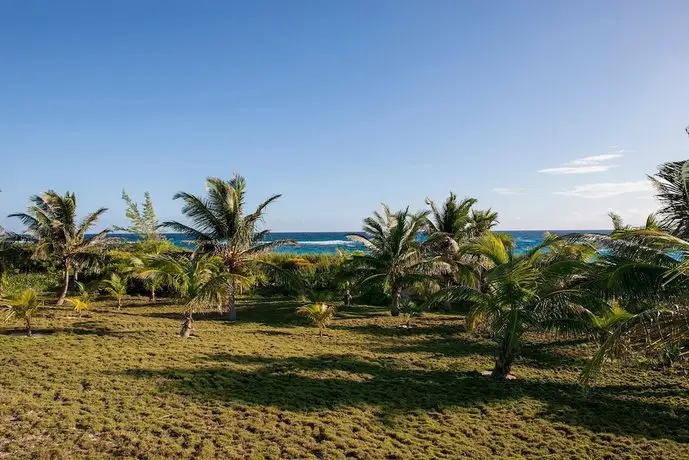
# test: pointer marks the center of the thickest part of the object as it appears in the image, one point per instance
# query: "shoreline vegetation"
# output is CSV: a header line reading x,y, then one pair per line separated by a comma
x,y
454,344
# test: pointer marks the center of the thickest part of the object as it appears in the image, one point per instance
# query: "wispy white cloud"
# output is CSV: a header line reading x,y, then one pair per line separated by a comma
x,y
605,190
594,159
577,169
509,191
586,165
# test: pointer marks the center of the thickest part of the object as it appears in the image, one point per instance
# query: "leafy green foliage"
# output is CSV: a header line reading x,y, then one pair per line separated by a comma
x,y
198,280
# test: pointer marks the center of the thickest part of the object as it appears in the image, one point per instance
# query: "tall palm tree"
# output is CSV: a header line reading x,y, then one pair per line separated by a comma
x,y
532,291
197,280
395,258
52,223
219,226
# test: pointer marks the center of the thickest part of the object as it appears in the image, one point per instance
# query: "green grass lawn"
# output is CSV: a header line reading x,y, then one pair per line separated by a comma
x,y
121,383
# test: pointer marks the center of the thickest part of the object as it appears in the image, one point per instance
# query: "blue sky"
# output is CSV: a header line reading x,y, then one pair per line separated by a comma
x,y
342,105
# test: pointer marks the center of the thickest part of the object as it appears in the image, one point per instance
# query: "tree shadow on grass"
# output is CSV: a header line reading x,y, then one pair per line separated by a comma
x,y
452,342
443,346
361,311
445,330
76,330
331,381
277,313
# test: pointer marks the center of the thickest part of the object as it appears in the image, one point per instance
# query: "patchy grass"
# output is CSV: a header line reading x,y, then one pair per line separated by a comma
x,y
120,383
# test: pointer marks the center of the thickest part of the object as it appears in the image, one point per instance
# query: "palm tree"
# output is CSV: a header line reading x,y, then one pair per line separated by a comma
x,y
220,227
51,222
83,301
115,287
396,259
453,219
24,308
198,280
320,314
647,269
524,292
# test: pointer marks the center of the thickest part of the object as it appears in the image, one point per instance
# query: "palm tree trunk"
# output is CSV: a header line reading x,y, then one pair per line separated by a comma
x,y
395,307
65,283
119,303
186,326
28,326
231,306
503,362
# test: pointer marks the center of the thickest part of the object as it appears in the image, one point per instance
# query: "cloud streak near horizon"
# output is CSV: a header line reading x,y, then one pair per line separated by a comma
x,y
605,190
591,164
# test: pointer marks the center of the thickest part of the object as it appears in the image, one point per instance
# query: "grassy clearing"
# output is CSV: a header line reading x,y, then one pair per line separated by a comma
x,y
121,383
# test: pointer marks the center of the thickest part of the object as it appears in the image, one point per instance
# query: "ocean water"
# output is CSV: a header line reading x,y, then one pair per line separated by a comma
x,y
332,242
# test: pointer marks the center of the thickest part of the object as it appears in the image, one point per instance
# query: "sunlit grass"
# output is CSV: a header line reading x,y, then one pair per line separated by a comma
x,y
122,383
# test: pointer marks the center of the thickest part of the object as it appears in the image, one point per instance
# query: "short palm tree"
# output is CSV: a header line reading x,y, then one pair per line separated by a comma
x,y
220,227
395,258
52,223
522,293
409,310
115,287
24,308
319,314
83,301
198,280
